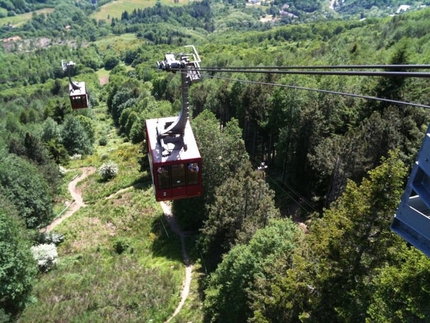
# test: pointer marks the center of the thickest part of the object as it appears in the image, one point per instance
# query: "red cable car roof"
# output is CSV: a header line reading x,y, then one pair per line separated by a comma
x,y
77,92
176,147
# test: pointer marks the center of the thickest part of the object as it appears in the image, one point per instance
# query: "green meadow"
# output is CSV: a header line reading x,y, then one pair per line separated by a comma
x,y
20,19
114,9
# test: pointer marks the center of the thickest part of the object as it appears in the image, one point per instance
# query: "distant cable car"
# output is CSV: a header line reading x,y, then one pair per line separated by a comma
x,y
77,91
174,157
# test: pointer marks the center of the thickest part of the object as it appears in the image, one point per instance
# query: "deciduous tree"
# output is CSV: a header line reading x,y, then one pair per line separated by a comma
x,y
233,288
27,189
17,266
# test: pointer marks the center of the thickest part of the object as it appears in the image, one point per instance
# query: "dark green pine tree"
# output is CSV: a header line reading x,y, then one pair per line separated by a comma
x,y
332,276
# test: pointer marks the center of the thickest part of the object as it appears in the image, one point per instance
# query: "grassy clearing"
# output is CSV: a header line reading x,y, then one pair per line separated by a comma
x,y
21,19
126,156
119,43
116,8
102,72
118,262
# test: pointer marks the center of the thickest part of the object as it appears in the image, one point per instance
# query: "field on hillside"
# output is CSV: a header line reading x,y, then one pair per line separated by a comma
x,y
119,43
116,8
20,19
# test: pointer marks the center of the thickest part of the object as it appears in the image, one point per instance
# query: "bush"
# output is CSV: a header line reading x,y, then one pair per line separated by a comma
x,y
51,237
110,62
62,170
120,245
103,141
108,170
76,157
45,255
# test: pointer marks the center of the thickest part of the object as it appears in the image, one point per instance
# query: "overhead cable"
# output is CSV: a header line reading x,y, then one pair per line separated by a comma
x,y
316,67
367,97
306,72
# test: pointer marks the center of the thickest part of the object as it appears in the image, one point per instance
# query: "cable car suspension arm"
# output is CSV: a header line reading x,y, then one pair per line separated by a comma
x,y
189,67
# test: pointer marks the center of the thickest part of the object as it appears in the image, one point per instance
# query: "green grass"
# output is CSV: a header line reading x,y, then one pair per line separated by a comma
x,y
120,42
116,8
102,72
21,19
117,44
117,262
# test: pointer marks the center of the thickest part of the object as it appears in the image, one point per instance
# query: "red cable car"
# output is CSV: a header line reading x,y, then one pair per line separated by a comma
x,y
173,154
174,160
77,91
78,95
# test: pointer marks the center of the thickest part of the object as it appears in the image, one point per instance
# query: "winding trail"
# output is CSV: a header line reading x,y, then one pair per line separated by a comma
x,y
77,201
188,266
123,190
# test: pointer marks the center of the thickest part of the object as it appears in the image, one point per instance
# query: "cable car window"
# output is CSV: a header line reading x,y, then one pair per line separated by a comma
x,y
193,173
178,175
163,177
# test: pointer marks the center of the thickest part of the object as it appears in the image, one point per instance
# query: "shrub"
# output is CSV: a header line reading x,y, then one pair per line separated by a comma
x,y
108,170
120,245
76,157
45,255
62,170
110,62
51,237
103,141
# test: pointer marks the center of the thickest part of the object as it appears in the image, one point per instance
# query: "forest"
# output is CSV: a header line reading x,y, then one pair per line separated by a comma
x,y
306,240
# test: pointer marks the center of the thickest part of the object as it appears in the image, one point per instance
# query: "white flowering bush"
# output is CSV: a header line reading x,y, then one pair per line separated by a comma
x,y
62,170
76,157
108,170
46,256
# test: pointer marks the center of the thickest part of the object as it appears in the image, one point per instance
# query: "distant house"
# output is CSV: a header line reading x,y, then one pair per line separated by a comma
x,y
68,27
402,8
287,14
11,39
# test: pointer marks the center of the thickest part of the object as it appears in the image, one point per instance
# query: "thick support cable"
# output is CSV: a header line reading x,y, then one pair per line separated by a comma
x,y
287,70
343,73
394,67
295,87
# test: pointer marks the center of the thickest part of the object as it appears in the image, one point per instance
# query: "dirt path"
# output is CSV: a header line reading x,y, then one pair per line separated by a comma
x,y
188,266
77,201
119,192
